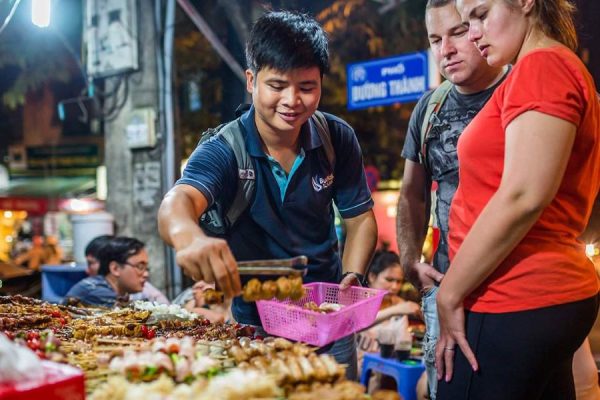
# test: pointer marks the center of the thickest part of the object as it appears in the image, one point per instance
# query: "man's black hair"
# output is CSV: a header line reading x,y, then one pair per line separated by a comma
x,y
118,249
286,40
95,246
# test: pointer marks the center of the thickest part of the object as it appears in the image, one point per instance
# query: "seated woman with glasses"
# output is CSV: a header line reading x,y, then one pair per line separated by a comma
x,y
123,271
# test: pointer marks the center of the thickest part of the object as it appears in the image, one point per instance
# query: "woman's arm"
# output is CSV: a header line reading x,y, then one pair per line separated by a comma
x,y
537,150
402,308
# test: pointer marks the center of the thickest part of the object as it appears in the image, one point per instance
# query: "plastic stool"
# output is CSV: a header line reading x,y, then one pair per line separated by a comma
x,y
406,374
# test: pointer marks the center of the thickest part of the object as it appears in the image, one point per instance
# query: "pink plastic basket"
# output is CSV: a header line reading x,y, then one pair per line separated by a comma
x,y
288,319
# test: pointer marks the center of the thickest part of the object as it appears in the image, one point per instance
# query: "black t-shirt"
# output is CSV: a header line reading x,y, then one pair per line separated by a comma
x,y
442,162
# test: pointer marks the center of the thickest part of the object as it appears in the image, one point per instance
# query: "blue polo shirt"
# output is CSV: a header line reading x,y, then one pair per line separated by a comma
x,y
93,291
291,214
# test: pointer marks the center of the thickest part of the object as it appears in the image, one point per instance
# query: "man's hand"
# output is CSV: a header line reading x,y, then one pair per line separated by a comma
x,y
201,257
425,276
210,259
350,280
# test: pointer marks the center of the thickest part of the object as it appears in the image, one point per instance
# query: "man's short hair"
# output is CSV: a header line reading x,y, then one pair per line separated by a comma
x,y
286,40
94,247
119,249
438,3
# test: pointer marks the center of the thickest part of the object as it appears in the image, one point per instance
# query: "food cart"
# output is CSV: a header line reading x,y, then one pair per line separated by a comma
x,y
147,349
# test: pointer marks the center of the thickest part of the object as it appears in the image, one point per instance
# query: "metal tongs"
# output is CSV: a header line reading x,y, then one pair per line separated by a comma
x,y
296,266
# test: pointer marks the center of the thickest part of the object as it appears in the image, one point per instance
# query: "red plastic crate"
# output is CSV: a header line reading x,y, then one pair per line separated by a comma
x,y
62,382
288,319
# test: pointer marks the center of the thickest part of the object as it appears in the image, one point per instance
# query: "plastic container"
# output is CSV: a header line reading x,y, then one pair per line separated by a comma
x,y
58,279
290,320
86,227
62,382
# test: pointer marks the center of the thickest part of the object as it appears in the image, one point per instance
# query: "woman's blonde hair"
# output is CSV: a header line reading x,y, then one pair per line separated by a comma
x,y
555,19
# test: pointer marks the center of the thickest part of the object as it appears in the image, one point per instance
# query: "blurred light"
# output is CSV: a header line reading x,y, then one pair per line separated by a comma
x,y
391,211
81,206
40,13
183,165
8,214
590,250
77,205
101,183
9,239
390,198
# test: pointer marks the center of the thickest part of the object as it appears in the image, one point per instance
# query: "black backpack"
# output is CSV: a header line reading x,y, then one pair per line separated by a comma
x,y
217,221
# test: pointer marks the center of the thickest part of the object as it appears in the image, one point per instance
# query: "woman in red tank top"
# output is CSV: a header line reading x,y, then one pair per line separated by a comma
x,y
520,295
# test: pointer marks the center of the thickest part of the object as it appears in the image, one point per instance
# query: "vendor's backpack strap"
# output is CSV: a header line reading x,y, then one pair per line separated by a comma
x,y
216,221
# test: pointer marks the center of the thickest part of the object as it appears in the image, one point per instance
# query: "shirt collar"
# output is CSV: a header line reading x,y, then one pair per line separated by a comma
x,y
309,137
253,143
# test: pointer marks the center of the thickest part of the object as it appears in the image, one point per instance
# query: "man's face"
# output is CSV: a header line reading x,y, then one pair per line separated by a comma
x,y
284,100
457,58
93,264
132,275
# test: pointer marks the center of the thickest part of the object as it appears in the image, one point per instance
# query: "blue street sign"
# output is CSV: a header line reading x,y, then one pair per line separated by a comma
x,y
398,79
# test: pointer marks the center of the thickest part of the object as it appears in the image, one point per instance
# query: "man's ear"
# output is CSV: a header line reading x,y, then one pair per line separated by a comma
x,y
250,81
114,268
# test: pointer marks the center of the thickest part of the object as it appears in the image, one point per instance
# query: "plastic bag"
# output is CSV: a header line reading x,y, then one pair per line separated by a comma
x,y
18,363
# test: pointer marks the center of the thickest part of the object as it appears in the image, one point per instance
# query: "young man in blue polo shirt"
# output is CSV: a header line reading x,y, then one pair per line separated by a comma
x,y
122,272
295,182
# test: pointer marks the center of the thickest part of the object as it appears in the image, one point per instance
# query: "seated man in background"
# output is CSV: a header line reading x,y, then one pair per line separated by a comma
x,y
123,270
92,251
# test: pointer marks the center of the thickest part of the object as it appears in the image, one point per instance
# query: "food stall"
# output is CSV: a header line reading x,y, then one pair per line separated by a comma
x,y
146,349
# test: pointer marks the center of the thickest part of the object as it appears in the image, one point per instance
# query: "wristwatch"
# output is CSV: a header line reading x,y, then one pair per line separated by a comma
x,y
360,277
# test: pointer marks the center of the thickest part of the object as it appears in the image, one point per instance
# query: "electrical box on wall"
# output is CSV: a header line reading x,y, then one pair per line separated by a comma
x,y
17,158
111,38
141,128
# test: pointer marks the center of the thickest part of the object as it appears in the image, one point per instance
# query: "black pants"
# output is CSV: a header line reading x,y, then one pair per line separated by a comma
x,y
524,355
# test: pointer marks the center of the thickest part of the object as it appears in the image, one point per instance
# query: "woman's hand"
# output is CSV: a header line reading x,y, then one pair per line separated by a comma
x,y
451,315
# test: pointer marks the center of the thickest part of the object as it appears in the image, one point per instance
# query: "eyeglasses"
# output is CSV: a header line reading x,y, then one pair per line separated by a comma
x,y
140,267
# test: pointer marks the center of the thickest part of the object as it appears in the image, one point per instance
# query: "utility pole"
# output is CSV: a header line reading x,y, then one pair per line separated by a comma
x,y
135,150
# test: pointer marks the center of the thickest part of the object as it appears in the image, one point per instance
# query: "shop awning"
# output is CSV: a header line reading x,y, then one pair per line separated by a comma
x,y
39,195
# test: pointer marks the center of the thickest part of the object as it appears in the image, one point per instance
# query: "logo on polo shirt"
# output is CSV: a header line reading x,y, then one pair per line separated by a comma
x,y
246,174
322,183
